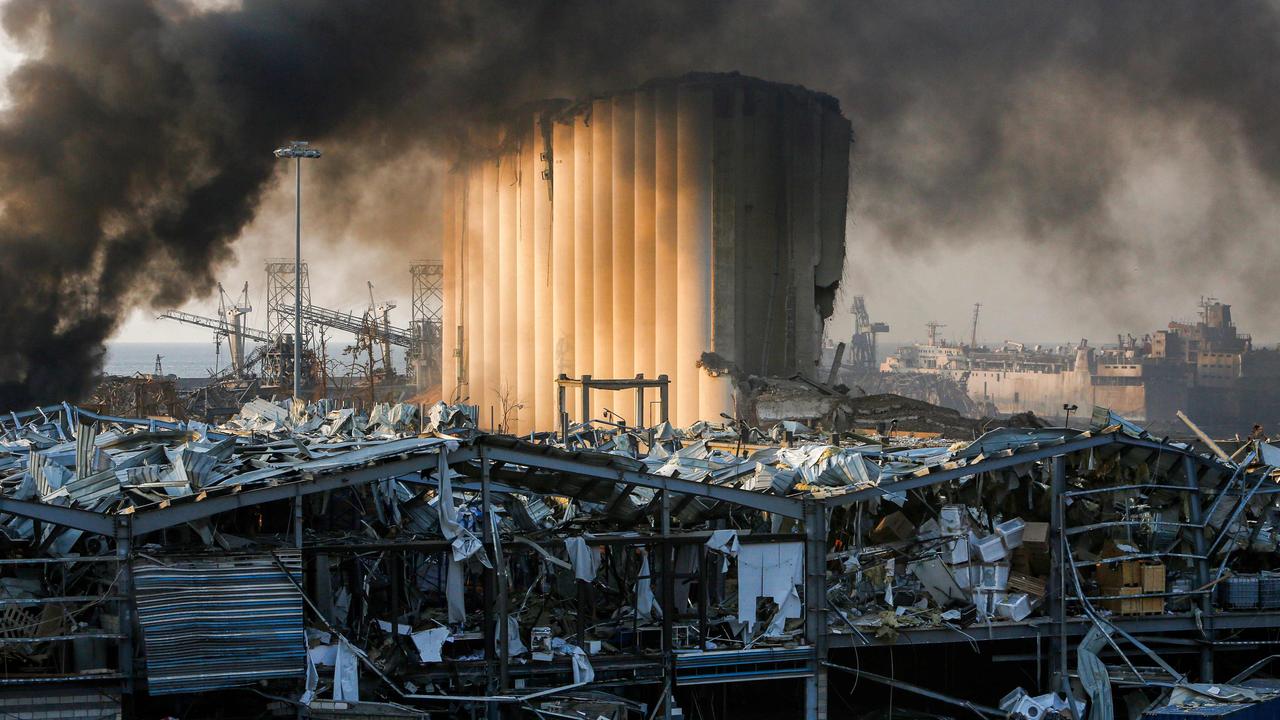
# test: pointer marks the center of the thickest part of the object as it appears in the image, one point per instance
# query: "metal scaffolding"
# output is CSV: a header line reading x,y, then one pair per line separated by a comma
x,y
280,298
428,291
280,292
427,316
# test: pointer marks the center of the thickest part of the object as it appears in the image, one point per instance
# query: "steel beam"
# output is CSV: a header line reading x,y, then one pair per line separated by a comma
x,y
985,465
148,521
1004,462
184,512
787,507
981,710
89,522
1045,628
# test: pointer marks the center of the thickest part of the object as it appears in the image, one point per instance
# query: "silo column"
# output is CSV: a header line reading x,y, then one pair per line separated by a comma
x,y
602,236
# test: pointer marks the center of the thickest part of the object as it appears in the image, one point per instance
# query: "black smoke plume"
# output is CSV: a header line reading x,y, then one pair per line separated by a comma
x,y
139,139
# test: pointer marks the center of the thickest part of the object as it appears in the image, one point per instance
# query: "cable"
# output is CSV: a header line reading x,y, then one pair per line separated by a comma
x,y
892,676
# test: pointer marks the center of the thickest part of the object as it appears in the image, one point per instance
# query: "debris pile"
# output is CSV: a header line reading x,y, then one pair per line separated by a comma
x,y
430,566
933,388
140,395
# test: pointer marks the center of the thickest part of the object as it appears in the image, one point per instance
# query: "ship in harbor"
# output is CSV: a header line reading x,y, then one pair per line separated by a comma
x,y
1206,368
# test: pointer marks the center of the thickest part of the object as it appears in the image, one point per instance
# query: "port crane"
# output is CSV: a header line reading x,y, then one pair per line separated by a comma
x,y
229,324
272,352
356,325
373,326
214,324
864,336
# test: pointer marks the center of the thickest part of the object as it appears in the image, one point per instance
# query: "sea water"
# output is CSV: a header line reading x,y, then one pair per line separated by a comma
x,y
195,360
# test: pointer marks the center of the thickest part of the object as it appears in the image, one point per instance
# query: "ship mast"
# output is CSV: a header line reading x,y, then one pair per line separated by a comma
x,y
973,332
933,326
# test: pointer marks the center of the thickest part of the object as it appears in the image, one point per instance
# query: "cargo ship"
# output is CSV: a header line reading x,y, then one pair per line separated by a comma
x,y
1206,368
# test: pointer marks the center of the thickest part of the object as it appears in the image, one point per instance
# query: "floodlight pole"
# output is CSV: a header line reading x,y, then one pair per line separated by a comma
x,y
297,278
297,150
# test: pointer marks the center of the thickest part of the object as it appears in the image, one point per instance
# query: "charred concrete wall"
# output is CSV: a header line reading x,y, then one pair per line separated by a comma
x,y
631,233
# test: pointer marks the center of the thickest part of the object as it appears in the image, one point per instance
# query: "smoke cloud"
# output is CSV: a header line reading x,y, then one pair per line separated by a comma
x,y
1132,146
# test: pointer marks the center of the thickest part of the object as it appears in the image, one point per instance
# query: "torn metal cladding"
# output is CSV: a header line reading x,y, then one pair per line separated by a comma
x,y
406,558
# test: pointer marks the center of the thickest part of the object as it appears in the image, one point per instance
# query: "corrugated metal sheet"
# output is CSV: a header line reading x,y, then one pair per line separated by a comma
x,y
221,622
85,450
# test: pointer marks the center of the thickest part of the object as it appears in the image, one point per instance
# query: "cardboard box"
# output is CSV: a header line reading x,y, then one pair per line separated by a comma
x,y
1020,560
892,527
1153,576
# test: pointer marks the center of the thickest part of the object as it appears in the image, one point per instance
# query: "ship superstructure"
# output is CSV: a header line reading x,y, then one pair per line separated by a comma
x,y
1206,367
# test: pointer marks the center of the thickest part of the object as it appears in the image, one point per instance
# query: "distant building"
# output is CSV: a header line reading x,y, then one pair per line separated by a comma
x,y
1207,369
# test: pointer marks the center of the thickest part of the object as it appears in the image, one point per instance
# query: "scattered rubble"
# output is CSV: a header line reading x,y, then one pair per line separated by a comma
x,y
935,389
431,566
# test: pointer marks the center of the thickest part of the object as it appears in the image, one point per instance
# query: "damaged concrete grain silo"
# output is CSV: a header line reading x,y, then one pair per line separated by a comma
x,y
634,232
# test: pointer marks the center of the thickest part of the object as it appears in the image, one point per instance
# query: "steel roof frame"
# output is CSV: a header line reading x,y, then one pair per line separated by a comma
x,y
1012,460
148,521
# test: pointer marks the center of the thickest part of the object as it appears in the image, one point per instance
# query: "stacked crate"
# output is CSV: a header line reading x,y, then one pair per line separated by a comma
x,y
1153,581
1132,577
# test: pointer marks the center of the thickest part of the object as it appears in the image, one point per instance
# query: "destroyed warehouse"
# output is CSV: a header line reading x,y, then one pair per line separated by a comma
x,y
314,562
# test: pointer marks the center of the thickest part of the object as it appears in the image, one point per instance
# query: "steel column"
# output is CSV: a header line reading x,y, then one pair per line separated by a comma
x,y
562,413
1057,574
815,593
638,419
487,626
664,398
124,570
1195,514
668,607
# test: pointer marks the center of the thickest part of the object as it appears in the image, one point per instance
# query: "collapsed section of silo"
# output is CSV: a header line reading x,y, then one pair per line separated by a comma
x,y
636,233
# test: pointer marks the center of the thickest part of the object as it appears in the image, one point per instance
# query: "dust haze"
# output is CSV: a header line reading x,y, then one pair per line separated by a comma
x,y
1081,169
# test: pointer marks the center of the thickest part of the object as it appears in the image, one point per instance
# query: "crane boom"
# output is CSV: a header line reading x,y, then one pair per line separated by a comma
x,y
355,324
217,325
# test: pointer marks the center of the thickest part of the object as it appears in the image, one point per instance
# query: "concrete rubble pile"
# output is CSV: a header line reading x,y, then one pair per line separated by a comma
x,y
402,561
936,389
